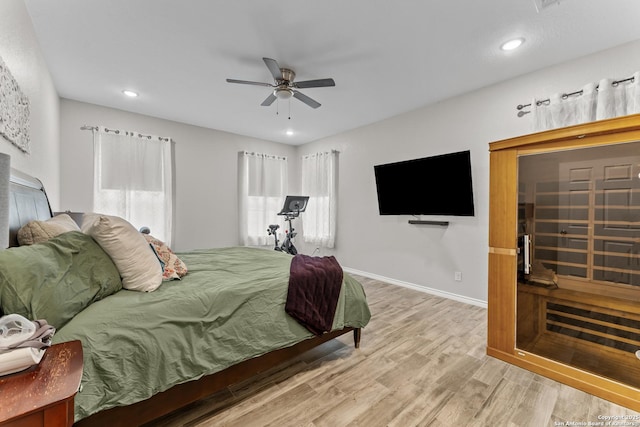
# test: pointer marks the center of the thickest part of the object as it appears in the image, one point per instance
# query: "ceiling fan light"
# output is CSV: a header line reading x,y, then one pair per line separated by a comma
x,y
283,93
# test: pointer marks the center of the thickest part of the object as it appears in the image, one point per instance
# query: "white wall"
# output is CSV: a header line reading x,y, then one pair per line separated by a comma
x,y
388,247
21,53
428,256
206,203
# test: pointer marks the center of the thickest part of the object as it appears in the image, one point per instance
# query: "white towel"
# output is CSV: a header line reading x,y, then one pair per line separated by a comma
x,y
19,359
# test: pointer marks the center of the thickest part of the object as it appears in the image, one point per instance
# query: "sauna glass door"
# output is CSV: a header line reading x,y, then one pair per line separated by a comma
x,y
578,292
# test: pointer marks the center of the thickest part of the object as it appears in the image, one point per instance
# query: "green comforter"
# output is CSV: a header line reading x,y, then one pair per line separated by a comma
x,y
228,308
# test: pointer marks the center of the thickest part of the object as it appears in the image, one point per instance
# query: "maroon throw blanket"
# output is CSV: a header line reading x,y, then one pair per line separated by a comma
x,y
314,287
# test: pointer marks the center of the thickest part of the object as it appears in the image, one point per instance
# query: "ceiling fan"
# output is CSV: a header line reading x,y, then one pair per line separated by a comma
x,y
285,87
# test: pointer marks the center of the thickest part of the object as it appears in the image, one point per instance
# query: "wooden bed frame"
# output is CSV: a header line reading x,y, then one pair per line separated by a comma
x,y
28,201
182,395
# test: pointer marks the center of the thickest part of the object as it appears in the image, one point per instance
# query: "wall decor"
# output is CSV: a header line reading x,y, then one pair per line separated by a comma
x,y
14,111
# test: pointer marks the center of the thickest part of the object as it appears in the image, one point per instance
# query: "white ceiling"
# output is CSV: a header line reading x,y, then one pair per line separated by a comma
x,y
386,57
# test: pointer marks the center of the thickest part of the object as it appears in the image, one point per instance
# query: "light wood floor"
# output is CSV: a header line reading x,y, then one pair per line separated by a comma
x,y
421,362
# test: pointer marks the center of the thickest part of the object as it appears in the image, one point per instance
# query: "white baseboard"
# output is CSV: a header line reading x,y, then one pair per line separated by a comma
x,y
437,292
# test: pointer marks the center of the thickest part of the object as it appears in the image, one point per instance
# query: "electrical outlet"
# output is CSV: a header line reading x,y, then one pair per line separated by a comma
x,y
458,276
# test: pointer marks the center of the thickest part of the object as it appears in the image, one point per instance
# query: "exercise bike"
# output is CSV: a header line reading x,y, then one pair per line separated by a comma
x,y
293,205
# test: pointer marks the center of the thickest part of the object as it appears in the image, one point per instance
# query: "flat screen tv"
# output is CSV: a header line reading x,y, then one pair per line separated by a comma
x,y
437,185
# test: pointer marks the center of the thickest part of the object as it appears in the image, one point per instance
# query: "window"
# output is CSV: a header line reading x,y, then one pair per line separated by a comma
x,y
133,179
319,182
262,186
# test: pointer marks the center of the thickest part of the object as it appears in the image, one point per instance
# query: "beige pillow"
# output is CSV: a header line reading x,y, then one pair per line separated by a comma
x,y
41,231
136,262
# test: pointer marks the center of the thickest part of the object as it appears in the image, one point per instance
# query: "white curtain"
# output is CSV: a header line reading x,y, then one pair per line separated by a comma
x,y
133,179
262,187
320,183
593,102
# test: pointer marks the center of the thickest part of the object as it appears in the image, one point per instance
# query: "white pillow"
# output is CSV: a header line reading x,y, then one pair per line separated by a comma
x,y
136,262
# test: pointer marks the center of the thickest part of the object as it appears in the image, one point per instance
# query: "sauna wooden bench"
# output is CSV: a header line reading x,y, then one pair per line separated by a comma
x,y
539,310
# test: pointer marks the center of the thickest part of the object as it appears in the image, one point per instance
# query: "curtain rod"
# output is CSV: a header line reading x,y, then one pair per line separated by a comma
x,y
321,152
567,95
117,131
270,156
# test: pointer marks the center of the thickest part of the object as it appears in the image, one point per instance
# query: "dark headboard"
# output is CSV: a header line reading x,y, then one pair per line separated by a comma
x,y
27,202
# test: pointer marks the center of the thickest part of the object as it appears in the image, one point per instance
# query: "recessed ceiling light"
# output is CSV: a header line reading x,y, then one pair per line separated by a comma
x,y
512,44
130,93
289,132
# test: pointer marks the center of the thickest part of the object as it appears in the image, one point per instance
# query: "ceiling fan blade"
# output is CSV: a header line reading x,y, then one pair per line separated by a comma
x,y
245,82
269,100
304,98
314,83
273,66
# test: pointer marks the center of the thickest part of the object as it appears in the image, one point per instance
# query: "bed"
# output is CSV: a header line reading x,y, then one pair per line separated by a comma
x,y
149,353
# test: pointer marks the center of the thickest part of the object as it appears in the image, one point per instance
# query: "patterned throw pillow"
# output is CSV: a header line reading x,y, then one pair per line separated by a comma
x,y
172,266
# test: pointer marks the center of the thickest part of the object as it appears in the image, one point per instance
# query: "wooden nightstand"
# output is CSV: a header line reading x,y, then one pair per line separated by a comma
x,y
43,395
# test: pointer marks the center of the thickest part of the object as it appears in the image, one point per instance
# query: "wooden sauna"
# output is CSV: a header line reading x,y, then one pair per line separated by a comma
x,y
564,256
